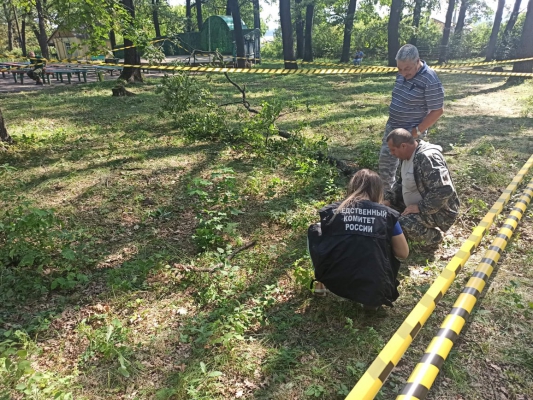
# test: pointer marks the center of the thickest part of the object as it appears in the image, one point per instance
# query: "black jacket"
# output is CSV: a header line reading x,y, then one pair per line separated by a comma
x,y
352,252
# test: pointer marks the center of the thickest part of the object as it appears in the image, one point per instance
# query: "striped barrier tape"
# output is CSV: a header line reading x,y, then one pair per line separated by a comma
x,y
308,71
439,66
375,376
426,371
283,71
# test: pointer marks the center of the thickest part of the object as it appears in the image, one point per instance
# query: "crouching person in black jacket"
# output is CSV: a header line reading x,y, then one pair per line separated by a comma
x,y
355,245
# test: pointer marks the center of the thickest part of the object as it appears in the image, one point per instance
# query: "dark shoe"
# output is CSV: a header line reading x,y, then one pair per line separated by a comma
x,y
39,83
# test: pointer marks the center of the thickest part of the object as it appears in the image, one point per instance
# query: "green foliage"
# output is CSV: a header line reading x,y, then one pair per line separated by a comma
x,y
368,153
38,254
18,377
108,342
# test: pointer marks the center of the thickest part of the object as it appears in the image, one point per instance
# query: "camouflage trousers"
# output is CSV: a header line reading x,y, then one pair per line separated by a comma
x,y
388,164
420,228
35,74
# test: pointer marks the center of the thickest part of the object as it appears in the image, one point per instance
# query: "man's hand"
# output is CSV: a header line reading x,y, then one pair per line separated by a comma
x,y
386,203
412,209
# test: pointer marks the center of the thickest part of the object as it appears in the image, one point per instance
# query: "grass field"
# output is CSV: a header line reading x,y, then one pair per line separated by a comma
x,y
116,232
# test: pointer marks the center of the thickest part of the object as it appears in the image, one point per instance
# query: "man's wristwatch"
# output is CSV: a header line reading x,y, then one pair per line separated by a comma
x,y
418,131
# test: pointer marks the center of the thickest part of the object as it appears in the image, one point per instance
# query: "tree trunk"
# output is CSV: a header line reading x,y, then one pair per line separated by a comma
x,y
443,54
286,34
155,17
9,19
17,26
308,43
9,34
512,19
228,7
416,21
112,39
461,19
237,32
300,24
257,26
4,136
525,48
393,34
188,15
491,47
348,28
131,55
23,37
199,18
42,38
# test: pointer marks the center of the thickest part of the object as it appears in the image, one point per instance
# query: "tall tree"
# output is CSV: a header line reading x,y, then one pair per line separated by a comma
x,y
308,42
23,36
42,37
525,48
112,39
286,34
237,32
512,19
416,21
9,22
300,26
257,27
131,55
228,7
188,15
348,28
155,17
491,47
443,54
393,31
199,18
461,18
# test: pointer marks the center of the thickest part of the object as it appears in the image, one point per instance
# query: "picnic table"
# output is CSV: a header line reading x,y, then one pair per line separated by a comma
x,y
109,68
59,72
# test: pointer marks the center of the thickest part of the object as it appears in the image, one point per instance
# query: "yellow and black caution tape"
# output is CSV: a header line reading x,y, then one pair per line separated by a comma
x,y
374,377
132,46
286,71
481,63
436,66
426,371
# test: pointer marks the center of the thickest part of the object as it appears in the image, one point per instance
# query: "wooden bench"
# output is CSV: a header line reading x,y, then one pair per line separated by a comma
x,y
68,72
45,75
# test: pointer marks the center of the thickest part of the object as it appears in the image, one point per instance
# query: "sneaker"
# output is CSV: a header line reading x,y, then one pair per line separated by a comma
x,y
320,289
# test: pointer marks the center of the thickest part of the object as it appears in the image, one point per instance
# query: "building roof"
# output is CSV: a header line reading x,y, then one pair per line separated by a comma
x,y
228,19
66,33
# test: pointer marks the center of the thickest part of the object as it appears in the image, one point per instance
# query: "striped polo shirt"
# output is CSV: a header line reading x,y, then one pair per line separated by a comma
x,y
413,99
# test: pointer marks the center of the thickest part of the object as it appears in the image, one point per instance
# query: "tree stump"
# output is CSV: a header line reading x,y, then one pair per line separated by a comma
x,y
4,136
121,91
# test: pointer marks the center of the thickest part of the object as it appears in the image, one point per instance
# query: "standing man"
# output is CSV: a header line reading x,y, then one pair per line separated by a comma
x,y
38,64
425,194
417,103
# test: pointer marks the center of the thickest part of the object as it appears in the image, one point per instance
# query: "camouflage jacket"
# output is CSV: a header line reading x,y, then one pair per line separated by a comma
x,y
433,181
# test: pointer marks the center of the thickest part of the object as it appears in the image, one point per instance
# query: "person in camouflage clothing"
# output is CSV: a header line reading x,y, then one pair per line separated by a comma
x,y
424,194
38,64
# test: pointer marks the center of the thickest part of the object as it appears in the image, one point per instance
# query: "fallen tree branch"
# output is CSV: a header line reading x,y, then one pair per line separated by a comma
x,y
188,268
343,166
243,93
